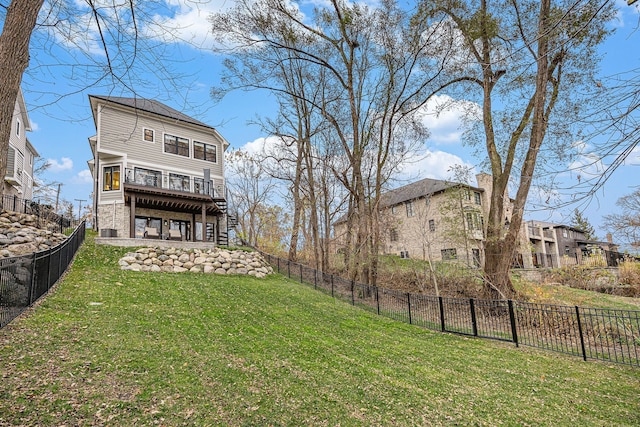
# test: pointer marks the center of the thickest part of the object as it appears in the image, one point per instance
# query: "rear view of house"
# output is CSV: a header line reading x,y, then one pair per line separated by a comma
x,y
157,172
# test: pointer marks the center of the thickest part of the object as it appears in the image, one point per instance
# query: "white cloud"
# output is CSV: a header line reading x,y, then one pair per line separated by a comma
x,y
64,164
83,177
434,164
634,157
445,118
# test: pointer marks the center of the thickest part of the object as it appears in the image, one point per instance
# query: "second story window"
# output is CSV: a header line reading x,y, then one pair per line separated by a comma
x,y
148,135
393,235
432,225
409,209
111,178
176,145
204,151
476,198
18,127
178,182
148,177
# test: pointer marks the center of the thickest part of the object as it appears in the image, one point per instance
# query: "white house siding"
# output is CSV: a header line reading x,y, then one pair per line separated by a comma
x,y
16,163
122,131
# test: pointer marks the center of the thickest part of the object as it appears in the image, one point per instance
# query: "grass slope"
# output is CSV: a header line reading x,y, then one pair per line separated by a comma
x,y
125,348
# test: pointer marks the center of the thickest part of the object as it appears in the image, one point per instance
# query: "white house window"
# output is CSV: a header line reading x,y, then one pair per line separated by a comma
x,y
476,198
432,225
564,232
148,135
178,182
111,178
176,145
204,151
148,177
409,209
198,186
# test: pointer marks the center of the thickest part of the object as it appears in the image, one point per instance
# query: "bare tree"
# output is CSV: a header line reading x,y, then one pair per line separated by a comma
x,y
250,190
108,45
374,75
19,22
625,226
526,62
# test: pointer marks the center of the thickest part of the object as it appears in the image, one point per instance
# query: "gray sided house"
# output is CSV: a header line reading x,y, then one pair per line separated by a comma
x,y
21,155
157,172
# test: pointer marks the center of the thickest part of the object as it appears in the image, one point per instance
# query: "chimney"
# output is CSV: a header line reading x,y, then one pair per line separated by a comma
x,y
609,238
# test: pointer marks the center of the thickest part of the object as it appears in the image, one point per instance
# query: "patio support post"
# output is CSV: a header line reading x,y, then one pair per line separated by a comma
x,y
132,217
204,222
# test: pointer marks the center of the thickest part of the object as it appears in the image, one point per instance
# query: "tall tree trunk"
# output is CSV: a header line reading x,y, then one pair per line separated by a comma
x,y
501,251
18,25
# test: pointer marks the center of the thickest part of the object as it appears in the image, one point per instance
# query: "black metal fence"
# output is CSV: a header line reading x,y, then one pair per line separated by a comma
x,y
591,333
598,259
24,279
45,215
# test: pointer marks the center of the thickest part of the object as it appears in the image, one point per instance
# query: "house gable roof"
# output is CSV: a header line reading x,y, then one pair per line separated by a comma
x,y
416,190
151,106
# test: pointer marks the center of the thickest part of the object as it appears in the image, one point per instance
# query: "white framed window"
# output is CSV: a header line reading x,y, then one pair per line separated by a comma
x,y
111,178
176,145
148,135
207,152
179,182
477,199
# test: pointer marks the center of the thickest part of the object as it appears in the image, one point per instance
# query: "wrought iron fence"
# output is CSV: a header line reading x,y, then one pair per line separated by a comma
x,y
24,279
590,333
45,215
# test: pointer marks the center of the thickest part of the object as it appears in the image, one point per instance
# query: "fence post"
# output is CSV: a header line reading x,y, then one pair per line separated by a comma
x,y
353,297
474,325
409,306
332,285
33,279
15,198
315,279
512,318
440,303
584,352
378,300
301,273
289,269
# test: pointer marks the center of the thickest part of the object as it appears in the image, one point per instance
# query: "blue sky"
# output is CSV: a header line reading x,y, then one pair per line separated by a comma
x,y
61,126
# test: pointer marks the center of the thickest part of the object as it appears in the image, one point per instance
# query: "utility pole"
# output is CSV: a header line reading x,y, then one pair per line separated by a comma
x,y
58,197
80,206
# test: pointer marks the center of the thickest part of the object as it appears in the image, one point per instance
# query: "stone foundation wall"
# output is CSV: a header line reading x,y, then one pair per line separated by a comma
x,y
177,260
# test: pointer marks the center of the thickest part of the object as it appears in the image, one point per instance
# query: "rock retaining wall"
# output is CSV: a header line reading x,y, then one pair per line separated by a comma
x,y
19,236
176,260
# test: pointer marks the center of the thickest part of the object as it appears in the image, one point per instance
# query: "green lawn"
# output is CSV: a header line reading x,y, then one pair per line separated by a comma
x,y
125,348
